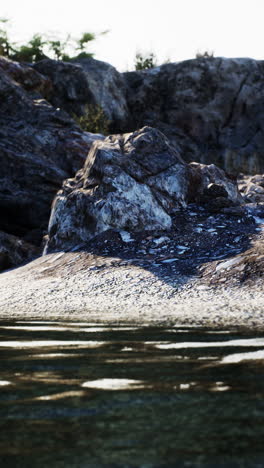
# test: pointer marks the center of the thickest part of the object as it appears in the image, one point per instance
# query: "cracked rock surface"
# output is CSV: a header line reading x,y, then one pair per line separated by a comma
x,y
211,109
133,182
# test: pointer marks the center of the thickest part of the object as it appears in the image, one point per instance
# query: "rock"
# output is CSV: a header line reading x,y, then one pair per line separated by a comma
x,y
88,82
40,146
27,77
245,267
132,182
14,251
213,188
252,188
210,109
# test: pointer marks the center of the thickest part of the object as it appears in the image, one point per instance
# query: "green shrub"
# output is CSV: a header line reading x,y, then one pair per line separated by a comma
x,y
40,47
31,52
94,120
145,62
6,47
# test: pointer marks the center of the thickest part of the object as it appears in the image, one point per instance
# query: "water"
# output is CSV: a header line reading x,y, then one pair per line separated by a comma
x,y
85,395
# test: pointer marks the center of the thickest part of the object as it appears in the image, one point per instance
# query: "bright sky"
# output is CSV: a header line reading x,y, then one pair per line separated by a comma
x,y
172,29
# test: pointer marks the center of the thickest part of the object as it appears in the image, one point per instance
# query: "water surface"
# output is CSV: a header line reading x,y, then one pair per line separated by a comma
x,y
86,395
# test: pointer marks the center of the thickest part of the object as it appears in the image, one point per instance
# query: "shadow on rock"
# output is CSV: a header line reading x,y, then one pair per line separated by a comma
x,y
137,202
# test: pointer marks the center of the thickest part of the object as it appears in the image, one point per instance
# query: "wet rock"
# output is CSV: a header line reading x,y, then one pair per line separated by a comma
x,y
210,109
132,182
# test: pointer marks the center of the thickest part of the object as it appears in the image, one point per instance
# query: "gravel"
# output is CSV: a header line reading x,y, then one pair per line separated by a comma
x,y
81,286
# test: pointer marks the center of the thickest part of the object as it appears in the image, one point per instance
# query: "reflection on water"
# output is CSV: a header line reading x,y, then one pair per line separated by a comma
x,y
121,396
115,384
50,344
239,357
210,344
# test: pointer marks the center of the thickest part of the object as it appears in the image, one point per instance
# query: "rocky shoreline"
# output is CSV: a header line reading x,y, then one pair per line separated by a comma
x,y
107,283
127,294
135,226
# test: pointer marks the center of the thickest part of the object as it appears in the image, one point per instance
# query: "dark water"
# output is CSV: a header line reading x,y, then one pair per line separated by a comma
x,y
80,395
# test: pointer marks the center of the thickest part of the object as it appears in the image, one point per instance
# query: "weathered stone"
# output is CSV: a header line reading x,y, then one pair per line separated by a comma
x,y
252,188
88,82
27,77
39,147
211,109
213,188
131,182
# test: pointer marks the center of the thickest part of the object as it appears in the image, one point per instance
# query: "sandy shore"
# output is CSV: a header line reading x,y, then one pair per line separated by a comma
x,y
79,286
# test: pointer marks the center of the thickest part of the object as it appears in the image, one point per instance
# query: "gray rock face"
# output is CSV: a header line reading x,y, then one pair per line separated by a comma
x,y
88,82
70,90
108,89
39,147
131,182
211,109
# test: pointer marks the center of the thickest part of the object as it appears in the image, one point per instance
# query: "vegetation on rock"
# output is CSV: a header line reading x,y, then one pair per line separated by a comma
x,y
145,61
40,47
94,120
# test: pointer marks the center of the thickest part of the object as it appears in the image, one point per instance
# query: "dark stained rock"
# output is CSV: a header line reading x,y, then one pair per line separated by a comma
x,y
27,77
211,109
70,90
40,146
133,182
212,188
14,251
88,82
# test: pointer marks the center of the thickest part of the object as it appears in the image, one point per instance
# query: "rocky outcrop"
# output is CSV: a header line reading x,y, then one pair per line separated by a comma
x,y
210,108
132,182
40,146
85,85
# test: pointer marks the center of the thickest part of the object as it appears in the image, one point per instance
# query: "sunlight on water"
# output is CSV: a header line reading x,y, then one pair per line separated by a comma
x,y
133,396
239,357
60,396
4,383
115,384
50,343
68,328
211,344
214,332
68,325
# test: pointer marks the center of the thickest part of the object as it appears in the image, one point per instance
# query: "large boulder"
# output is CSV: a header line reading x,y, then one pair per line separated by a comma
x,y
40,146
211,109
131,182
86,85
